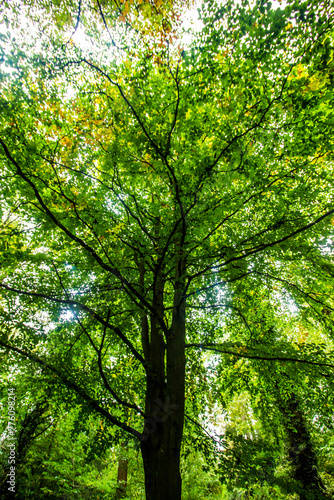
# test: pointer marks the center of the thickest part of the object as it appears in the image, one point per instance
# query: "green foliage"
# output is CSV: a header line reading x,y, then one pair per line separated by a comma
x,y
197,480
166,240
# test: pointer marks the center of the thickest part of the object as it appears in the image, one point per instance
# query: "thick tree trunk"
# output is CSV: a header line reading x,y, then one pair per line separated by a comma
x,y
162,471
164,406
161,444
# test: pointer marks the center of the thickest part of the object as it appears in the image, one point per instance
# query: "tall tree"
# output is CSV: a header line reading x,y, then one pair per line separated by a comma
x,y
143,178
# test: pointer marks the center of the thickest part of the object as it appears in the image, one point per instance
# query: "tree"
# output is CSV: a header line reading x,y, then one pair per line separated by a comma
x,y
143,182
62,450
122,473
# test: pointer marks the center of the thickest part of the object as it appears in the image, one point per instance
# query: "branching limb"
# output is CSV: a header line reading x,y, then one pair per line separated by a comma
x,y
217,348
115,272
75,387
94,314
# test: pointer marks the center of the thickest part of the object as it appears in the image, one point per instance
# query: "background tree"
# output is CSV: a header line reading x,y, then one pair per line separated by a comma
x,y
143,182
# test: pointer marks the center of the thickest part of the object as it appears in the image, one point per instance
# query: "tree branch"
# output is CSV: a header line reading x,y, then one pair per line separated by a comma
x,y
218,349
75,387
99,318
73,236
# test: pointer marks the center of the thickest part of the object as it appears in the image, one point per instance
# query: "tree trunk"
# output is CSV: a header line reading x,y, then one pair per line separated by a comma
x,y
161,443
164,405
122,474
301,453
162,471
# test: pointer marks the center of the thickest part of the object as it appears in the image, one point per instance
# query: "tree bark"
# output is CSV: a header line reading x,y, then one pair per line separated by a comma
x,y
162,471
164,405
122,474
161,443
